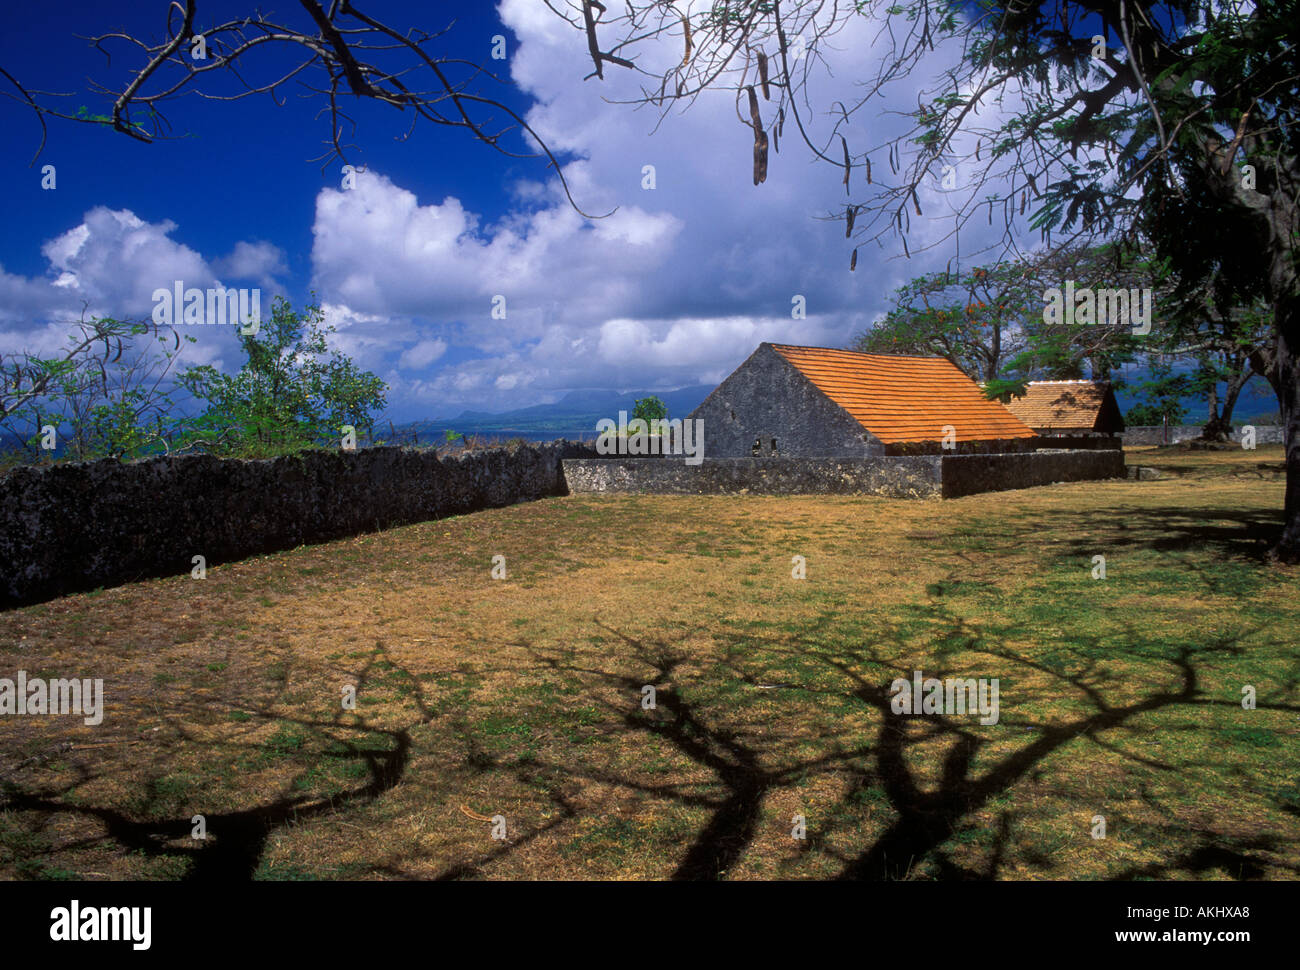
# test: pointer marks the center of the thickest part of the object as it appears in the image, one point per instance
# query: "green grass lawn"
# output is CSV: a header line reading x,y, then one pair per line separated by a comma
x,y
482,700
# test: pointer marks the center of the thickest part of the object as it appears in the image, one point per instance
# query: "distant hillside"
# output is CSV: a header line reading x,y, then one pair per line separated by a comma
x,y
574,414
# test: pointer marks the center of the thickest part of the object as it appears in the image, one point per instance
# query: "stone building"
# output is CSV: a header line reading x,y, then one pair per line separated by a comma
x,y
1071,414
817,402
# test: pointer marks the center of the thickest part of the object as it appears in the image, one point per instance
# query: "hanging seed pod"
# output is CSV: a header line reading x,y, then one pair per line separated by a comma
x,y
848,164
915,203
1032,184
990,212
760,156
977,151
760,138
851,213
776,141
893,165
686,30
868,161
853,261
762,75
905,251
780,120
1022,201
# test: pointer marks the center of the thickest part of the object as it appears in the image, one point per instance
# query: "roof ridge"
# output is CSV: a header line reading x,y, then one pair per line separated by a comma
x,y
861,353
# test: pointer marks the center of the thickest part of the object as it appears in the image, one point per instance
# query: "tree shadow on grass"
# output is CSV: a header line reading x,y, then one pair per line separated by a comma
x,y
1226,533
736,764
236,842
746,771
743,767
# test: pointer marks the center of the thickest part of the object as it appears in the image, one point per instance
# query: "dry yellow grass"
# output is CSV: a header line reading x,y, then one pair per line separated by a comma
x,y
522,697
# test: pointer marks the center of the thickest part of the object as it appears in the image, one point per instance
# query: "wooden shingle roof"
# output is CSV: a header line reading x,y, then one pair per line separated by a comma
x,y
1077,406
900,399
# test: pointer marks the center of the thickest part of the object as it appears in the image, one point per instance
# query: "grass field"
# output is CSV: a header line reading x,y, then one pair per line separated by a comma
x,y
522,698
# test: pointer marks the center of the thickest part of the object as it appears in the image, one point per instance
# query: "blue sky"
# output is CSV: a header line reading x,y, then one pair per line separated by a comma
x,y
236,179
675,289
236,170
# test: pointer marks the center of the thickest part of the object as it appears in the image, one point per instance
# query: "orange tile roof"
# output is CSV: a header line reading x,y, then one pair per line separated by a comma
x,y
1061,405
902,399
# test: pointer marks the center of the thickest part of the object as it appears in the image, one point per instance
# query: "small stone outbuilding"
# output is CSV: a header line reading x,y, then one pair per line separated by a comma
x,y
1071,414
818,402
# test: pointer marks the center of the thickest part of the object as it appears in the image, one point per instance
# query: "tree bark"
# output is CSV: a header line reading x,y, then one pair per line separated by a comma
x,y
1219,425
1287,548
1274,220
1214,429
1234,389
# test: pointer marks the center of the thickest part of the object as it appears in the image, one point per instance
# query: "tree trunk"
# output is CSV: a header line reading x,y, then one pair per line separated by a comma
x,y
1219,425
1216,427
1288,386
1234,389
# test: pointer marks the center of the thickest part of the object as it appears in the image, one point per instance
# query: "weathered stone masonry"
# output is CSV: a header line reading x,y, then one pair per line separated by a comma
x,y
73,527
1265,434
920,476
912,477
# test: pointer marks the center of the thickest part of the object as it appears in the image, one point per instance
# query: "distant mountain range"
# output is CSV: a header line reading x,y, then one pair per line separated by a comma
x,y
574,414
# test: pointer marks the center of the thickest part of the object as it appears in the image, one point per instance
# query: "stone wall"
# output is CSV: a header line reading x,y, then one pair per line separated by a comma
x,y
971,474
1154,434
1079,442
999,446
914,477
71,527
922,476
